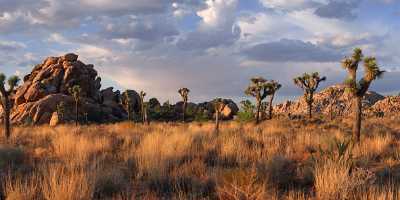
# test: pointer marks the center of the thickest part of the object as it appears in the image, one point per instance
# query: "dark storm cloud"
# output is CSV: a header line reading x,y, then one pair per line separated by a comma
x,y
201,40
287,50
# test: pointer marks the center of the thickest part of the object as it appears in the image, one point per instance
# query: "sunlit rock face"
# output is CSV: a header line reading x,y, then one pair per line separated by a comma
x,y
47,87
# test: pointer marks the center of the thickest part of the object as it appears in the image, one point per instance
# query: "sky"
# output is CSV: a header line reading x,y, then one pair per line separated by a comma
x,y
212,47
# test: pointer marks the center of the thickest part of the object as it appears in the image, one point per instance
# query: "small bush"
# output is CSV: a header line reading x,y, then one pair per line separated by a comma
x,y
10,156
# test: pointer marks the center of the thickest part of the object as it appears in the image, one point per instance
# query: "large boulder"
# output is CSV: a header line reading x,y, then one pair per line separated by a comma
x,y
47,86
230,109
134,99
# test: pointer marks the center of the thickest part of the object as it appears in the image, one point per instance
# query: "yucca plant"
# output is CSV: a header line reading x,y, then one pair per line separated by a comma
x,y
184,92
75,91
309,83
5,100
272,88
219,106
258,88
359,88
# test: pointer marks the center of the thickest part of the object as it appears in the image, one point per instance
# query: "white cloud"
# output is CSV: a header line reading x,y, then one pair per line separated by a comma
x,y
218,13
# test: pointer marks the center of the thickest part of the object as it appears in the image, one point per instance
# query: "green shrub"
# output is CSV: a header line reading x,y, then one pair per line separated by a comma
x,y
247,111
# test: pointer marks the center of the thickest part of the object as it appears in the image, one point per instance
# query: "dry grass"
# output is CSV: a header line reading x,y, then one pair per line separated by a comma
x,y
278,159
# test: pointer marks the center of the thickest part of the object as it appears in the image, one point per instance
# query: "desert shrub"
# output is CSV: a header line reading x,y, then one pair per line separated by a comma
x,y
201,116
110,182
240,184
10,156
333,179
246,112
279,171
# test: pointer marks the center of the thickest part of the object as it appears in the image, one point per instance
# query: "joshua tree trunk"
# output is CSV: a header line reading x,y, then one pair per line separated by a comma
x,y
358,116
184,112
270,105
217,121
6,104
258,111
309,109
76,114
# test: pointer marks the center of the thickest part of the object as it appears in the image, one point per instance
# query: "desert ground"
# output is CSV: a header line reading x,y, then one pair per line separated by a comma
x,y
277,159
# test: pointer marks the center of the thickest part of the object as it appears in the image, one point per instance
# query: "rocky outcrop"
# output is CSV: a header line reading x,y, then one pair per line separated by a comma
x,y
339,102
387,106
47,86
134,98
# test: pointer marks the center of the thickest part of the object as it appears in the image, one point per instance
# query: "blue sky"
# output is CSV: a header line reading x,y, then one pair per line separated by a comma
x,y
210,46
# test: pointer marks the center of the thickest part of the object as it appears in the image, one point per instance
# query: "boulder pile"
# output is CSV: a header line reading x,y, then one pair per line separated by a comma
x,y
332,99
44,95
386,106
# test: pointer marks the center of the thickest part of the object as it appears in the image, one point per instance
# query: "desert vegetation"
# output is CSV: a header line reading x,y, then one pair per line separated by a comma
x,y
278,159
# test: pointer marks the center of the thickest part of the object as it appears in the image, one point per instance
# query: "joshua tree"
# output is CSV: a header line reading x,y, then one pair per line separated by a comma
x,y
143,108
258,88
219,106
127,102
184,92
5,100
358,89
272,87
309,83
75,91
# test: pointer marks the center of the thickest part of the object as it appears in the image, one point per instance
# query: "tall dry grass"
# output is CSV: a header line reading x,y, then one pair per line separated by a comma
x,y
278,159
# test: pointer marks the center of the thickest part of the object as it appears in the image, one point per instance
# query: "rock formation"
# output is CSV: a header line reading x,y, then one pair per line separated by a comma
x,y
46,87
386,106
339,102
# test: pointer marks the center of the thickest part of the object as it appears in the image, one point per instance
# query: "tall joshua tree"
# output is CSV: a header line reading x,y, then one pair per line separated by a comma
x,y
219,106
258,88
184,92
142,107
127,102
358,89
5,100
309,83
272,87
75,91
